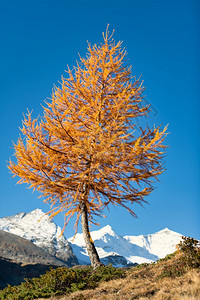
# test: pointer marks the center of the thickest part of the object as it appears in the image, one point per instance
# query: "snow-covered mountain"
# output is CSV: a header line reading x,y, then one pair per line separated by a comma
x,y
134,249
111,247
44,233
160,243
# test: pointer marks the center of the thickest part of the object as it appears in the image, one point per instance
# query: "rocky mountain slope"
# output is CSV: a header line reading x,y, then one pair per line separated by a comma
x,y
20,250
41,231
20,258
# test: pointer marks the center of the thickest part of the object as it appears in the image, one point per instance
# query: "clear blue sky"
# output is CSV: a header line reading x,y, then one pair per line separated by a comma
x,y
39,38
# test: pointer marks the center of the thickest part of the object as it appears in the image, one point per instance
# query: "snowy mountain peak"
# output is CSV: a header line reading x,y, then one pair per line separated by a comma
x,y
37,211
33,225
105,230
160,243
38,228
38,215
165,230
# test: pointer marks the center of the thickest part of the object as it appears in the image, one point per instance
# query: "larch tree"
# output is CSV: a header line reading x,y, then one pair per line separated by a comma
x,y
85,153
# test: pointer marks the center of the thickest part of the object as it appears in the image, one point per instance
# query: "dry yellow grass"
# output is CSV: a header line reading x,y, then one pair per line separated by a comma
x,y
144,284
185,287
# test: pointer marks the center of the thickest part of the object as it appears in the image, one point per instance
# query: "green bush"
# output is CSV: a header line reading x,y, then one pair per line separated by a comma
x,y
173,270
141,266
189,258
60,281
167,257
191,252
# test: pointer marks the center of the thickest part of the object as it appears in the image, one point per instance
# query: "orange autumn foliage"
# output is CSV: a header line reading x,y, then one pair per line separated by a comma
x,y
86,143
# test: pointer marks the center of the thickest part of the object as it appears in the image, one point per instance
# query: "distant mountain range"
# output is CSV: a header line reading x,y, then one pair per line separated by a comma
x,y
127,250
112,248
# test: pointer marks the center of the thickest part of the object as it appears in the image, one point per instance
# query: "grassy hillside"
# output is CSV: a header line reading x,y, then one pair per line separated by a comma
x,y
147,282
175,277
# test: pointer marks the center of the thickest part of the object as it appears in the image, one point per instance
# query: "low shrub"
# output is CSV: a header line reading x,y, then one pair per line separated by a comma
x,y
60,281
167,257
141,266
173,270
188,258
191,252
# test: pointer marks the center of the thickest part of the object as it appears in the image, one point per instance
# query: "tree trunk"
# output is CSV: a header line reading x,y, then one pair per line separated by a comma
x,y
92,252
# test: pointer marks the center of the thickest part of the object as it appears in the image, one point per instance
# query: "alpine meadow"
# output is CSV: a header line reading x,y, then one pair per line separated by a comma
x,y
85,154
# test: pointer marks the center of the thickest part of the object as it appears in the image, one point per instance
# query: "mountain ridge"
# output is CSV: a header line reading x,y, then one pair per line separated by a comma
x,y
44,233
111,247
135,249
